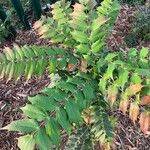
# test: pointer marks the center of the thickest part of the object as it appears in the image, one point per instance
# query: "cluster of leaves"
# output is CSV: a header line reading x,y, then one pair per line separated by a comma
x,y
140,31
31,60
80,139
80,29
53,109
91,78
127,79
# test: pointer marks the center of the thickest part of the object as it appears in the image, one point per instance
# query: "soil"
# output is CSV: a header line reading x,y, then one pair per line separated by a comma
x,y
13,95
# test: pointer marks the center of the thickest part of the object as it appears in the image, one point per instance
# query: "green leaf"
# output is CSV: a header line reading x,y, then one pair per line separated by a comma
x,y
110,70
96,47
78,24
110,57
98,22
80,100
143,72
123,77
96,35
11,72
80,139
83,48
52,129
132,53
61,116
89,92
2,58
79,36
42,140
33,112
19,69
135,79
73,111
38,52
58,38
76,80
144,63
18,52
107,125
67,86
29,70
9,54
25,125
29,53
52,65
57,94
26,142
44,102
41,67
144,52
102,85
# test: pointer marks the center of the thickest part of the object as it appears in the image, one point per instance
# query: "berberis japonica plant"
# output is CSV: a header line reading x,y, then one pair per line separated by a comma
x,y
90,81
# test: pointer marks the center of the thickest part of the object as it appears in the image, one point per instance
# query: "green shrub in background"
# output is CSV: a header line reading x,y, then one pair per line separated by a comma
x,y
36,4
133,2
3,32
140,30
20,12
6,29
87,80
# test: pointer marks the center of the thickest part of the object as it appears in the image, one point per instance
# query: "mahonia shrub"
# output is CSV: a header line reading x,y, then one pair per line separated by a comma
x,y
87,79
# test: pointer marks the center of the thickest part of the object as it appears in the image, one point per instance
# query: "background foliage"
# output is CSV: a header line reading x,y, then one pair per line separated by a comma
x,y
140,31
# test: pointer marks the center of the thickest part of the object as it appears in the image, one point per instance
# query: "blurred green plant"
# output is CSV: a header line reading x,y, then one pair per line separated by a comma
x,y
3,32
6,29
20,12
133,2
36,4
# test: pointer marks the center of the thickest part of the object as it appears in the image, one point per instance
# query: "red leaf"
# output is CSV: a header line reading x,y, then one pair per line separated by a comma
x,y
145,100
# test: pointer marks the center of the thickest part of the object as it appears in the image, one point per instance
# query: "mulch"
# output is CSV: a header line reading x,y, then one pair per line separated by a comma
x,y
13,95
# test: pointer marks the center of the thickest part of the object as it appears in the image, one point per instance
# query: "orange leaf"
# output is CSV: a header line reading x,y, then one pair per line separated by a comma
x,y
42,30
78,7
133,89
144,122
145,100
87,117
83,67
133,112
37,24
107,146
71,67
123,106
112,94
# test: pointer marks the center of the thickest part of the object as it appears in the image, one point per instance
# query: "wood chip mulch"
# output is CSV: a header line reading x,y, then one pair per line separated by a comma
x,y
14,95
